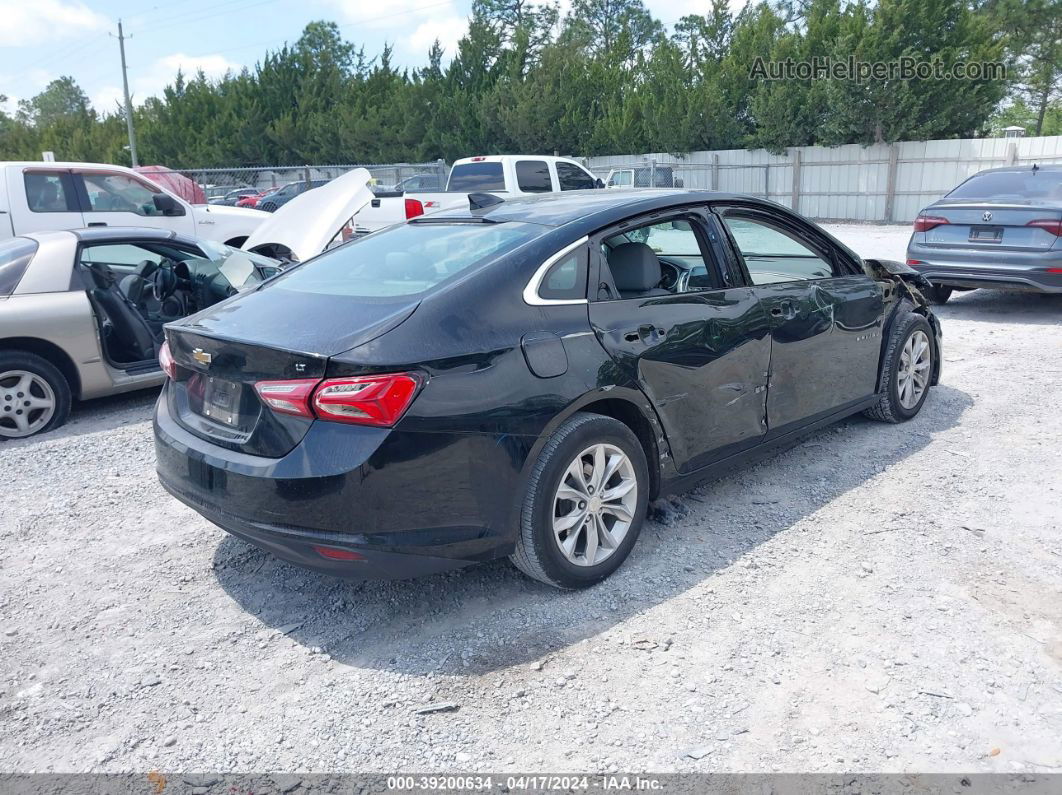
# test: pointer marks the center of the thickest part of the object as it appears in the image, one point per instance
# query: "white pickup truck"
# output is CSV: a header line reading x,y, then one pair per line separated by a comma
x,y
40,196
507,174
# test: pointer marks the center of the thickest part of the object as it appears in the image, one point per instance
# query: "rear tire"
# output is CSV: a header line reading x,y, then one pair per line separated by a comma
x,y
585,503
34,395
907,370
938,294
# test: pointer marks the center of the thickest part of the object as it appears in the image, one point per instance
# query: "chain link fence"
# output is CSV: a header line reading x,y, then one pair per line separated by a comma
x,y
269,187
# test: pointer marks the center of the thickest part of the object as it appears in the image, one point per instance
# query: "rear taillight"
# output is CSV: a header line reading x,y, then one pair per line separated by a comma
x,y
924,223
166,361
1050,224
378,400
414,208
288,397
914,262
335,553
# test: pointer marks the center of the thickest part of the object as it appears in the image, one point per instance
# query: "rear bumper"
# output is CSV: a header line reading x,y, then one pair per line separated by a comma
x,y
408,503
1003,270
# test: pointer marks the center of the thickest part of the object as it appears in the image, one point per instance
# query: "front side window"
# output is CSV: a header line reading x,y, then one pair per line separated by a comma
x,y
473,177
773,254
532,176
405,260
47,193
664,257
571,177
124,255
15,256
108,193
621,179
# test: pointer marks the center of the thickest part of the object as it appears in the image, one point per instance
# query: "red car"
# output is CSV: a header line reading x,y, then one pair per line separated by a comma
x,y
252,201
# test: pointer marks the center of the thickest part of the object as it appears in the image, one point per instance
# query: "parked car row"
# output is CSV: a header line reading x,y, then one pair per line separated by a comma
x,y
82,308
626,343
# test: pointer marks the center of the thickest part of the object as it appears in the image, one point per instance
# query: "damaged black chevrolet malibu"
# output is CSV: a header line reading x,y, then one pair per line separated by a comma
x,y
521,378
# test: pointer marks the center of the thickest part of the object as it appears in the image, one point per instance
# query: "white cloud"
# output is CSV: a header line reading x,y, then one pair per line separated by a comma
x,y
160,74
399,14
447,30
411,25
26,23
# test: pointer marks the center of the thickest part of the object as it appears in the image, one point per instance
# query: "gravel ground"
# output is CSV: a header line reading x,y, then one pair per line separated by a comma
x,y
878,598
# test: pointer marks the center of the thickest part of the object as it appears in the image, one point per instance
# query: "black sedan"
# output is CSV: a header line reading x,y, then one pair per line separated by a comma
x,y
520,379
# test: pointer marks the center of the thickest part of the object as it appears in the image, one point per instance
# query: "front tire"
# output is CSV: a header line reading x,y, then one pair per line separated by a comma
x,y
907,370
34,395
585,503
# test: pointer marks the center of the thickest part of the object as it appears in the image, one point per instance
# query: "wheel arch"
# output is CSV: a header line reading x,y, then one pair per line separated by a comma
x,y
901,307
49,351
237,242
625,405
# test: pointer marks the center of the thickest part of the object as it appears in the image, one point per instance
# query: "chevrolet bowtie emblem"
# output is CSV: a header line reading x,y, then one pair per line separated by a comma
x,y
202,356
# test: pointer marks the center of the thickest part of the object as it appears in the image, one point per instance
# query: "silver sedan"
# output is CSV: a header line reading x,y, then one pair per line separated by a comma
x,y
82,311
1001,229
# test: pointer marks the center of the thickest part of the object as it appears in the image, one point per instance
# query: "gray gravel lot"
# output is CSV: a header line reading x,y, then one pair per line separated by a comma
x,y
878,598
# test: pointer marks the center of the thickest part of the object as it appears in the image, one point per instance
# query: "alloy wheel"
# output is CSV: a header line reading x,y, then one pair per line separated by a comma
x,y
594,505
27,403
912,376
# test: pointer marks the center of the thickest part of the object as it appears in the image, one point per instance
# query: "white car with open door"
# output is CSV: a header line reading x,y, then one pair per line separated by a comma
x,y
39,196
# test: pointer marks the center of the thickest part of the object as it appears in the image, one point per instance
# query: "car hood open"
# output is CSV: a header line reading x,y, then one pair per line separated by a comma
x,y
307,223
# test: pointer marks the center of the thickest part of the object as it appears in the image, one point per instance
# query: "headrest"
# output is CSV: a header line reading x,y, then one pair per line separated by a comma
x,y
132,287
634,267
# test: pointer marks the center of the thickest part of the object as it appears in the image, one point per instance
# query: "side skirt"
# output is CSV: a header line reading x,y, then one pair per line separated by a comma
x,y
680,483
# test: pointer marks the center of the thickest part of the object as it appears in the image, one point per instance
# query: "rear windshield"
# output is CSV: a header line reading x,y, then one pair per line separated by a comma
x,y
15,256
406,259
471,177
1012,185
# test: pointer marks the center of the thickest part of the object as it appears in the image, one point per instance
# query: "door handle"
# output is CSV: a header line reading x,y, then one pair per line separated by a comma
x,y
784,309
97,223
644,333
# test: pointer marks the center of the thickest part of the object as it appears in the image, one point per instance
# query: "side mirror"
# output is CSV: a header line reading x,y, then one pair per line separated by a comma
x,y
167,205
598,183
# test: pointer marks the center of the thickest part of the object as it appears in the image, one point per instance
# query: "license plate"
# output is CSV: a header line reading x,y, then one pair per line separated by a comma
x,y
221,400
986,234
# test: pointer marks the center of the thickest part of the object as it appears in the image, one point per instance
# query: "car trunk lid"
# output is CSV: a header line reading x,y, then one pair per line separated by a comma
x,y
991,226
224,352
307,224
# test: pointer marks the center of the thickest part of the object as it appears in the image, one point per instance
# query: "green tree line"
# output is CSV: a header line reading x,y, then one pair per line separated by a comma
x,y
606,78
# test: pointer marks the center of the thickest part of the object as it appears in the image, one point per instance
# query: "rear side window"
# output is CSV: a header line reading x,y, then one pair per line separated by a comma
x,y
566,280
47,193
15,257
571,177
1043,185
405,260
532,176
472,177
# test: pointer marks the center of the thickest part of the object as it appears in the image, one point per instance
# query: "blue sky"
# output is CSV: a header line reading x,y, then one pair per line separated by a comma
x,y
43,39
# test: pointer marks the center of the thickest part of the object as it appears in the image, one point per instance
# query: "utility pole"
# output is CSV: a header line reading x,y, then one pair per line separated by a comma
x,y
128,102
